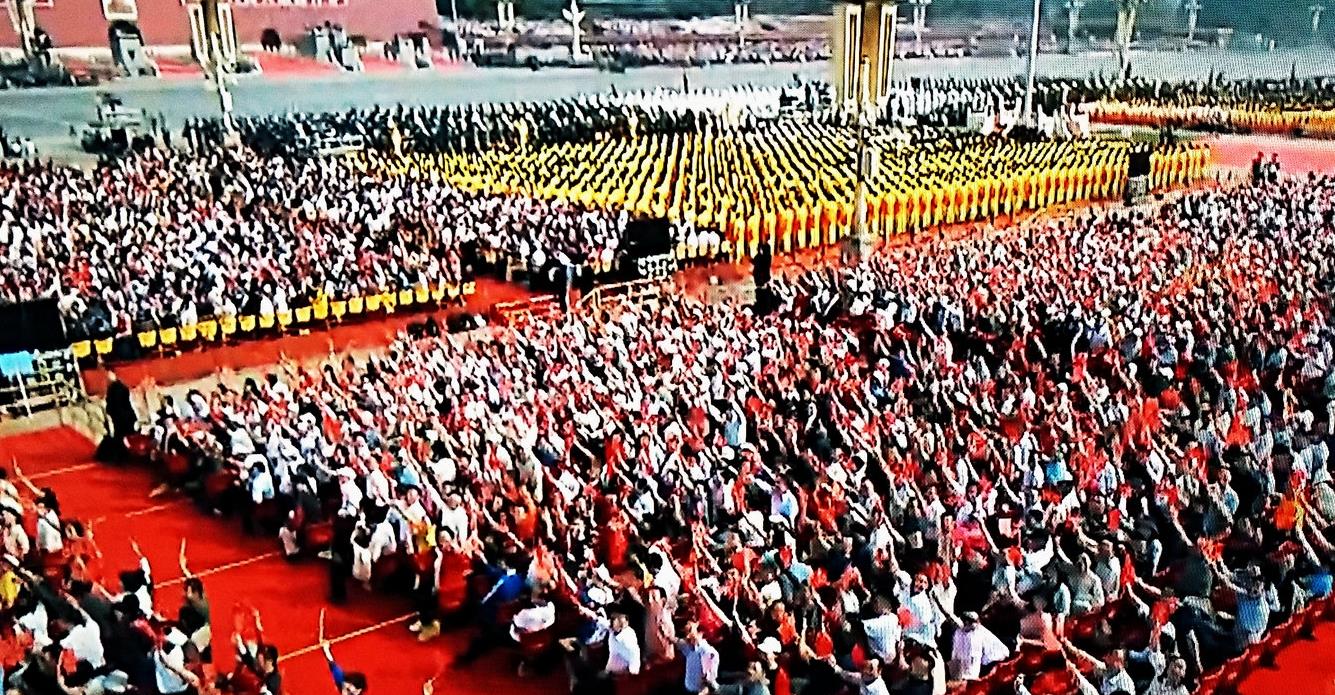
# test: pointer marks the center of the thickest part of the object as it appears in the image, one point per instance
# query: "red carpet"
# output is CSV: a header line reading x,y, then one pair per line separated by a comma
x,y
277,65
377,63
368,634
1237,151
1304,664
178,68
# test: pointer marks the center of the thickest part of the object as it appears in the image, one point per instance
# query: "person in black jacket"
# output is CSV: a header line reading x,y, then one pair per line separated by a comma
x,y
121,419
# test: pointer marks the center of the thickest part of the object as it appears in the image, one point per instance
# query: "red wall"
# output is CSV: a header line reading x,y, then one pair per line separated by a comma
x,y
81,22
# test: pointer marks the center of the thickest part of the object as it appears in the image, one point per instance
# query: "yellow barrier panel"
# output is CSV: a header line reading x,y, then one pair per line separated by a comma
x,y
247,323
303,314
81,349
438,293
470,289
421,294
189,333
339,308
103,346
148,339
266,320
356,305
227,324
284,318
167,336
208,330
452,291
372,302
406,298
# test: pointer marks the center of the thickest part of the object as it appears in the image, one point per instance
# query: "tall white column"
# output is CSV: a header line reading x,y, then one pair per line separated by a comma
x,y
1032,64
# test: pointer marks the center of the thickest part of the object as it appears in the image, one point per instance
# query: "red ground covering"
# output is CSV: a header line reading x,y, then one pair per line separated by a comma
x,y
377,63
368,633
276,65
174,68
1296,155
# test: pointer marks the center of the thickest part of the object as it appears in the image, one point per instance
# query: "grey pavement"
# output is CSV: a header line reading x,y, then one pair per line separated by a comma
x,y
47,115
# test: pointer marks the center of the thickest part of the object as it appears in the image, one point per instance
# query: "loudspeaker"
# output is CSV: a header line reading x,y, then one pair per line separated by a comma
x,y
648,237
1139,165
32,326
464,322
1137,189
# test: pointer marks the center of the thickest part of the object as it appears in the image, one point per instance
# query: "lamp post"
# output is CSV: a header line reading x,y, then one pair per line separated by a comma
x,y
1126,30
919,17
505,14
1193,15
575,16
855,248
1073,8
21,18
1032,64
741,15
1316,9
214,37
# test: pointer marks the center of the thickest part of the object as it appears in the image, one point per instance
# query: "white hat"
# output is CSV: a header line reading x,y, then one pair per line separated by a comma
x,y
770,646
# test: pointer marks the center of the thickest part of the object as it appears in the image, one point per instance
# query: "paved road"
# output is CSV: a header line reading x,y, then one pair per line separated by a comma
x,y
47,114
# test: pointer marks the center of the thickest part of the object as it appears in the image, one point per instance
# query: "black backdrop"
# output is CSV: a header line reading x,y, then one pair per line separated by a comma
x,y
34,325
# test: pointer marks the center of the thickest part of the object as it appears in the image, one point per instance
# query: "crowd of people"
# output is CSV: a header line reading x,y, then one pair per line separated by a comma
x,y
1303,107
167,238
897,475
723,51
790,182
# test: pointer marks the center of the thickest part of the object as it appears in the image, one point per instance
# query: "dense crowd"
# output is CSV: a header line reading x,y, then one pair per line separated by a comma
x,y
73,626
472,128
723,51
896,476
791,183
1304,107
167,240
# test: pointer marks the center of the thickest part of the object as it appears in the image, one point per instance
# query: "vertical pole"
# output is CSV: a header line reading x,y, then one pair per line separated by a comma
x,y
1033,64
20,14
739,23
1073,8
857,245
217,61
894,44
1193,15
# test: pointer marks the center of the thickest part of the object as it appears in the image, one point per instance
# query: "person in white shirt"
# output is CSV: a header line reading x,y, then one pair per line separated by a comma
x,y
974,648
538,616
84,640
169,666
454,518
623,647
883,633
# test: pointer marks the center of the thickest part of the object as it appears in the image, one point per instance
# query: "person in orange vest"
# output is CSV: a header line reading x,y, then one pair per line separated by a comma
x,y
786,217
802,226
752,233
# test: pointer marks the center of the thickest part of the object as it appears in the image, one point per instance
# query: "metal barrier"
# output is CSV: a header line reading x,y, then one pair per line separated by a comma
x,y
632,291
51,380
